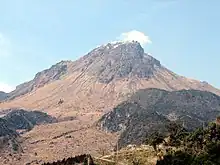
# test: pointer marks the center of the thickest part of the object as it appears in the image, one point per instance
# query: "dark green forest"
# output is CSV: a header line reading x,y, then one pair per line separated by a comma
x,y
200,147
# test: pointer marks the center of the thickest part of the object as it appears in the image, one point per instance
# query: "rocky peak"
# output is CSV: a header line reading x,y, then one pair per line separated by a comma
x,y
55,72
107,62
128,48
119,60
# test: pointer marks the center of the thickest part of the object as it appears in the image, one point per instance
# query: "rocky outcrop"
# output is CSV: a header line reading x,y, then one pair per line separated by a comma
x,y
42,78
15,120
21,119
152,109
119,60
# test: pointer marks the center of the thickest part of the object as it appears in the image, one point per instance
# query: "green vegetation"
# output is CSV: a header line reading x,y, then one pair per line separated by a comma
x,y
15,146
154,139
201,147
179,147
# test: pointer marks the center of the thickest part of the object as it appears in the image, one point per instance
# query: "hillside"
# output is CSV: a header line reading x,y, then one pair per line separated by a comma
x,y
98,81
199,147
22,119
151,110
12,126
79,92
5,129
55,72
191,148
19,119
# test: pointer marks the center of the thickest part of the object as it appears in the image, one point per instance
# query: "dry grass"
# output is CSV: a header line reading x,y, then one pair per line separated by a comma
x,y
144,155
86,99
65,139
83,94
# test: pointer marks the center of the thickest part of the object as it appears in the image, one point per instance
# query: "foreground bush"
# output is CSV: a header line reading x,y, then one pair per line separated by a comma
x,y
201,147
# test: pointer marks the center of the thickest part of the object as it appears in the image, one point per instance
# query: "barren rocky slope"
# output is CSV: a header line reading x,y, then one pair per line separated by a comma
x,y
55,72
98,81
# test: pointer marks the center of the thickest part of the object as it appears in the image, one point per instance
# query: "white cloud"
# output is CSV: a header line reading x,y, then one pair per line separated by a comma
x,y
6,88
135,35
4,46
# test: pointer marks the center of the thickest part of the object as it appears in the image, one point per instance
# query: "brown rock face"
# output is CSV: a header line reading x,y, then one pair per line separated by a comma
x,y
119,60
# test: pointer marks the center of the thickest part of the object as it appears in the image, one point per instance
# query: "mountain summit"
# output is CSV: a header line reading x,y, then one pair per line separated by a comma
x,y
107,62
98,81
119,60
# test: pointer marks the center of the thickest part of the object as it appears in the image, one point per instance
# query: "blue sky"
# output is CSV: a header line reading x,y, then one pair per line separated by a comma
x,y
185,34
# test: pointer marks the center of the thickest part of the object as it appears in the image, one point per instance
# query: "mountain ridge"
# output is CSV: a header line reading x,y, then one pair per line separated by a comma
x,y
152,109
100,80
84,90
41,78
